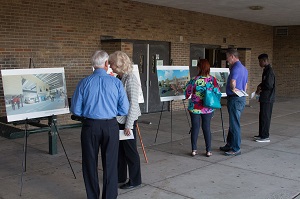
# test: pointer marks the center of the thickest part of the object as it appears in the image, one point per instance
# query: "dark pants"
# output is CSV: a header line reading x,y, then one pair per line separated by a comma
x,y
265,113
104,134
205,120
129,156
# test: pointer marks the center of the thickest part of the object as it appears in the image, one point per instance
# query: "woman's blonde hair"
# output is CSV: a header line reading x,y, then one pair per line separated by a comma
x,y
122,61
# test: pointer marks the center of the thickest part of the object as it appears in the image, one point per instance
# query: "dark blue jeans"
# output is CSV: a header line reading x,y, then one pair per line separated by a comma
x,y
235,106
205,120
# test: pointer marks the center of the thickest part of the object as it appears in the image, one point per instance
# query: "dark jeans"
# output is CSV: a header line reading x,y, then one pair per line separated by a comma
x,y
235,106
205,120
129,156
265,114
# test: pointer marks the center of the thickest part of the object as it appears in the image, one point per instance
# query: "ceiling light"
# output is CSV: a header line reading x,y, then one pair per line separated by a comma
x,y
256,7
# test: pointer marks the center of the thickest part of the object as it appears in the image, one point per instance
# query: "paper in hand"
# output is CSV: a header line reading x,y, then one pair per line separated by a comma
x,y
252,95
240,93
122,136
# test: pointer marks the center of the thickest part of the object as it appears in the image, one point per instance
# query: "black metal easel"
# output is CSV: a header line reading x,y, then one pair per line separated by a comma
x,y
222,124
171,124
52,124
171,119
25,154
187,117
162,108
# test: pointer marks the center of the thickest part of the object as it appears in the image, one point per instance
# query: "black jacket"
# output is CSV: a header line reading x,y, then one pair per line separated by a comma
x,y
267,85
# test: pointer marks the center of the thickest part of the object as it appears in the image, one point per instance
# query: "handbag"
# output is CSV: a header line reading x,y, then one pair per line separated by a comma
x,y
212,98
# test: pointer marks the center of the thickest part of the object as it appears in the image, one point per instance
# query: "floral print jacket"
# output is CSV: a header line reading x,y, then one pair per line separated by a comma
x,y
194,91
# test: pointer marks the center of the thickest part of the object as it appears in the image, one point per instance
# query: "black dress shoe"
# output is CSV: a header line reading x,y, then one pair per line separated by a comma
x,y
233,153
128,186
225,148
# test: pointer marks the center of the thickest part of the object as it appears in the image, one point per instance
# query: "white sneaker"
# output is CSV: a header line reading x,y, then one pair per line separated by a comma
x,y
263,140
194,152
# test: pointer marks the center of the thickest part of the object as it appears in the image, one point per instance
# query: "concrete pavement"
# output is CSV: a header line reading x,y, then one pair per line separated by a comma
x,y
263,171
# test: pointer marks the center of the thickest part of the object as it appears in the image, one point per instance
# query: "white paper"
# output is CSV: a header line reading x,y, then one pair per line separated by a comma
x,y
252,95
122,136
240,93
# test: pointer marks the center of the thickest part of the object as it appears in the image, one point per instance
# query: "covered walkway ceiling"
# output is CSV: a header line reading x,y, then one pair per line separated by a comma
x,y
273,12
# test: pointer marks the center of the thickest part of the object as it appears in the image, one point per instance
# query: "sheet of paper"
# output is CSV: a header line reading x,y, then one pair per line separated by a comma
x,y
240,93
252,95
122,136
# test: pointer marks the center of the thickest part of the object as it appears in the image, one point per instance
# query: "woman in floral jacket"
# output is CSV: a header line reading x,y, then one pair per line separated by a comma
x,y
194,91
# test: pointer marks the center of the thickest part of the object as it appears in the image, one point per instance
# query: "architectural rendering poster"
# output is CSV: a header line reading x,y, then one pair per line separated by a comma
x,y
34,93
171,82
222,75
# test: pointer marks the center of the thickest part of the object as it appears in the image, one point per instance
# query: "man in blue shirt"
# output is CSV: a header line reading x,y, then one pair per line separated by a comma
x,y
237,81
98,99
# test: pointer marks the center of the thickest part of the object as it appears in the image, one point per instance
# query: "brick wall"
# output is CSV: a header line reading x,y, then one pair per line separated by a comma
x,y
286,62
61,33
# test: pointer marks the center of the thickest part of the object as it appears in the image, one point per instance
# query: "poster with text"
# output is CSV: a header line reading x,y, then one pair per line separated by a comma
x,y
34,93
171,82
221,74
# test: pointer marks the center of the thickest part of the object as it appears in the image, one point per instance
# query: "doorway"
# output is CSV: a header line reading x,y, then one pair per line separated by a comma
x,y
203,51
147,54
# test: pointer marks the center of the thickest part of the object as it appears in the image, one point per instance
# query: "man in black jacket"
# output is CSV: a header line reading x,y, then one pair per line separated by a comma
x,y
266,92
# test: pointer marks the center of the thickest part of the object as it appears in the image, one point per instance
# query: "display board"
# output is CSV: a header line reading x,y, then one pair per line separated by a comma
x,y
171,82
34,93
221,74
135,71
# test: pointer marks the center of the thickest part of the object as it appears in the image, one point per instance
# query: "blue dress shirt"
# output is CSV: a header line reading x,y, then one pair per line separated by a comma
x,y
99,96
239,73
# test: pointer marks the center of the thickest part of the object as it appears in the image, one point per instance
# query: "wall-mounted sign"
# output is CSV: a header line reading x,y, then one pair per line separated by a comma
x,y
159,62
194,62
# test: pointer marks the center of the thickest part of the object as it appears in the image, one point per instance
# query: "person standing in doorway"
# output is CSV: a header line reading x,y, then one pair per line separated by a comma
x,y
237,81
98,99
128,154
266,92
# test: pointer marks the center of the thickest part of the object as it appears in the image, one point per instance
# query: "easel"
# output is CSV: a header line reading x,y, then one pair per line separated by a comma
x,y
171,121
222,124
53,129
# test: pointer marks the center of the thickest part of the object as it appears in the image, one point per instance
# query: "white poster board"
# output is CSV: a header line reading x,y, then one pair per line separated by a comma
x,y
221,74
34,93
171,82
135,71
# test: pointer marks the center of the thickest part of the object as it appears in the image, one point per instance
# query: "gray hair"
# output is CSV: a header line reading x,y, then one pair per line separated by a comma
x,y
99,58
122,61
233,51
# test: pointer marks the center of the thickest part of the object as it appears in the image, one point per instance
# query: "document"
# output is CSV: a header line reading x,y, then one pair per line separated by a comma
x,y
240,93
122,136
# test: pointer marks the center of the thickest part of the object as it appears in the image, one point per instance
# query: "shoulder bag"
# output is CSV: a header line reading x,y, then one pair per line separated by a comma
x,y
212,97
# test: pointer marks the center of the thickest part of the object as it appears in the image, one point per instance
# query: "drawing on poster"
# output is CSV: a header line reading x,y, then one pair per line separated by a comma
x,y
171,82
221,74
34,93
